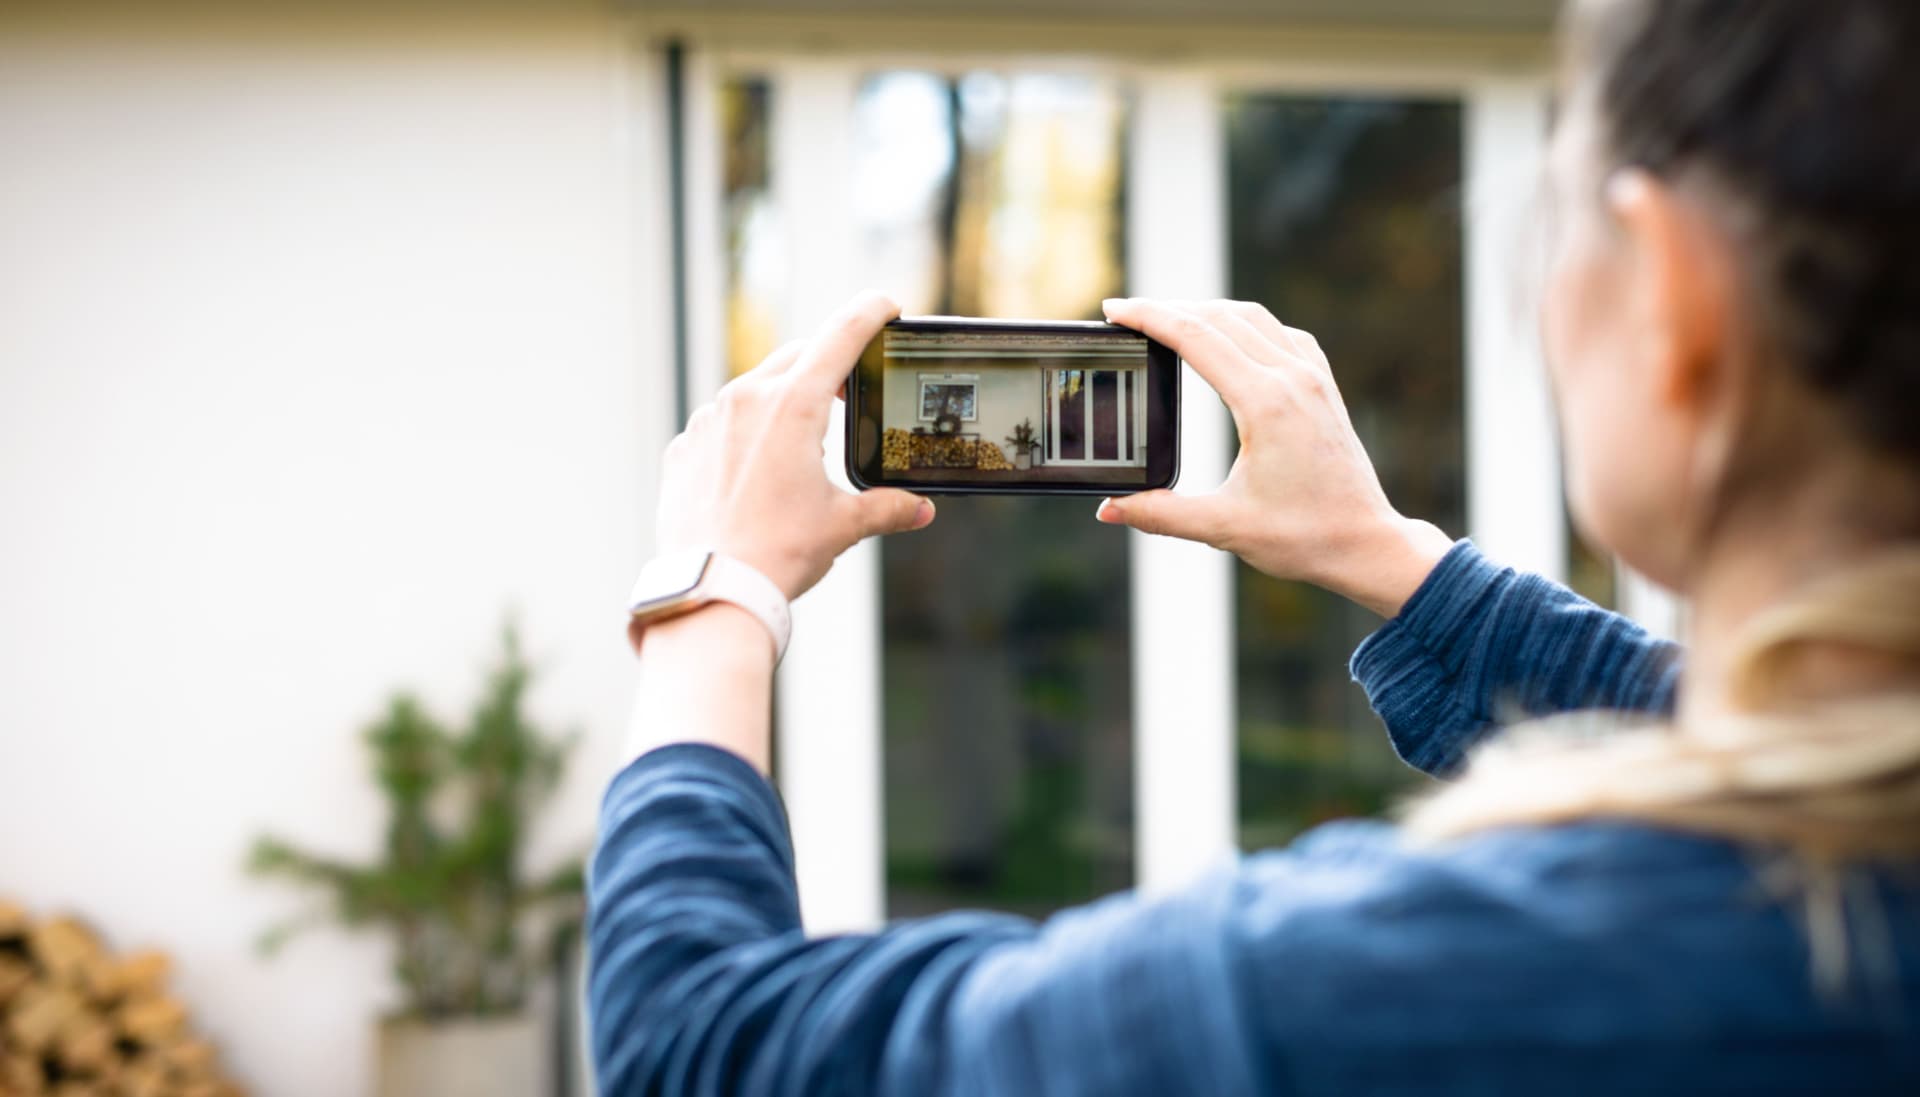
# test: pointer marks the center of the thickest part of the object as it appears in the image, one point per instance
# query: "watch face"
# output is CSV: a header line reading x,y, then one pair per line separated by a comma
x,y
668,579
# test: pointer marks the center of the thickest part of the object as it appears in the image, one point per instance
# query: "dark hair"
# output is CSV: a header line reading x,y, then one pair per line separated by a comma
x,y
1806,113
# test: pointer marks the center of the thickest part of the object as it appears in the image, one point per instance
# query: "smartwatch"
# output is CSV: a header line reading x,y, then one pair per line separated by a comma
x,y
682,582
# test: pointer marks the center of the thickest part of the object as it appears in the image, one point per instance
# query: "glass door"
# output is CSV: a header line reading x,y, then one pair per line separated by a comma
x,y
1094,417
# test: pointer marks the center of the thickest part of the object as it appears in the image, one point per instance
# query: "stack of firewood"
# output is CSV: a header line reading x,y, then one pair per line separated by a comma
x,y
900,451
986,455
896,450
77,1021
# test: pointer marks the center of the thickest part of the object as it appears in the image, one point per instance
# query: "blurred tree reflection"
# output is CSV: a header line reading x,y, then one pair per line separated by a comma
x,y
1590,571
1008,768
748,217
1345,222
1009,778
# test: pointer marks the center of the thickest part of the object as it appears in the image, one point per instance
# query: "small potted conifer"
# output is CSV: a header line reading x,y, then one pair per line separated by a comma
x,y
1023,442
449,889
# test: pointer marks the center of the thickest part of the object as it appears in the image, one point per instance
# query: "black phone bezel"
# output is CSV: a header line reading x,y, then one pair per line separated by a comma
x,y
1163,412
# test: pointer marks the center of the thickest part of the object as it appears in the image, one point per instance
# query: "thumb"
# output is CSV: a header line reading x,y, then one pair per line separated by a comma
x,y
1189,517
889,510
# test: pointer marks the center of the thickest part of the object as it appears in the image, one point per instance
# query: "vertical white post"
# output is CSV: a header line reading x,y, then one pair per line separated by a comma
x,y
1086,415
828,698
1514,508
1183,704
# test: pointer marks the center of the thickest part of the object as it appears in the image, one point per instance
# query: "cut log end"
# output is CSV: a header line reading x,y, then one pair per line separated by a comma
x,y
79,1021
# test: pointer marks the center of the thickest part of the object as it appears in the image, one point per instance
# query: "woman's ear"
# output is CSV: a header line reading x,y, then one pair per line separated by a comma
x,y
1679,298
1679,267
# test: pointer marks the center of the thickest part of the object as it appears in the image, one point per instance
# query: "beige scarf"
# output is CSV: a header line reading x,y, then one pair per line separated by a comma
x,y
1831,783
1838,780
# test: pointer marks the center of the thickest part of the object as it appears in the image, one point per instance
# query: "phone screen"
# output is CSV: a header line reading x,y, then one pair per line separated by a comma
x,y
950,404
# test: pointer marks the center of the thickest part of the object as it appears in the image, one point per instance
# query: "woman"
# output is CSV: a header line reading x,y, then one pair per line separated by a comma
x,y
1715,892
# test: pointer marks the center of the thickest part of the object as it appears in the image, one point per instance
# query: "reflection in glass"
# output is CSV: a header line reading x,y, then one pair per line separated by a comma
x,y
1345,222
1106,415
1008,740
755,267
1072,412
1590,571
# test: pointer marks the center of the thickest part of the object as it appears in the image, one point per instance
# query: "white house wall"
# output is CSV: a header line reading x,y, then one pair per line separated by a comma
x,y
1004,399
322,348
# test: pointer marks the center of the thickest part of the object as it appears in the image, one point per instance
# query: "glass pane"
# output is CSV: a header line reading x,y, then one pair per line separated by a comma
x,y
1073,416
1106,416
754,263
1008,741
1590,570
1345,221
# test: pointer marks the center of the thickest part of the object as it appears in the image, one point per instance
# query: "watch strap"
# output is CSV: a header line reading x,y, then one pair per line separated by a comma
x,y
741,584
722,578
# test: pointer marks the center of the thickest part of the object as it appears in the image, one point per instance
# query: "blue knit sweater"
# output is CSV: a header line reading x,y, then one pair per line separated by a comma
x,y
1596,958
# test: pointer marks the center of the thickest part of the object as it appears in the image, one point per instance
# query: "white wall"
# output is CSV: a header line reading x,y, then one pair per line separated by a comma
x,y
1005,397
321,348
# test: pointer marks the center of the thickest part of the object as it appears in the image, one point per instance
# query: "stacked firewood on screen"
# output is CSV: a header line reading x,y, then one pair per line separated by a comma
x,y
902,450
989,456
79,1021
896,450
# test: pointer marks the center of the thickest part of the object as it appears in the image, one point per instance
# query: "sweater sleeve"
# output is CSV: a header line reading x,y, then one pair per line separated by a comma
x,y
1479,646
1525,961
701,981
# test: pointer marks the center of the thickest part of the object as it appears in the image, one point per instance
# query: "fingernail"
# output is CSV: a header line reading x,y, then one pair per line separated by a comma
x,y
1112,303
1106,512
923,514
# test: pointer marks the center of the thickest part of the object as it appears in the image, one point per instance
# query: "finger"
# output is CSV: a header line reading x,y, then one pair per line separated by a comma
x,y
1307,349
831,354
879,511
1253,342
700,421
1293,341
780,361
773,365
1205,347
1254,328
1266,324
1189,517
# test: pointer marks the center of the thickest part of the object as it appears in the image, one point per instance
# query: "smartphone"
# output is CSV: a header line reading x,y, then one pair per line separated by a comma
x,y
955,405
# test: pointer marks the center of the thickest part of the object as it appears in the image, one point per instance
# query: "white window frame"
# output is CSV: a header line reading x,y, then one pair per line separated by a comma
x,y
1185,799
952,380
1128,427
828,696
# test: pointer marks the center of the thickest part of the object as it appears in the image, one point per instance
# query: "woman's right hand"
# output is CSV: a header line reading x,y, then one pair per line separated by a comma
x,y
1302,500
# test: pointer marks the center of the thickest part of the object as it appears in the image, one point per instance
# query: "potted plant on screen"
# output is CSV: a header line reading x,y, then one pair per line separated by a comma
x,y
1023,442
449,889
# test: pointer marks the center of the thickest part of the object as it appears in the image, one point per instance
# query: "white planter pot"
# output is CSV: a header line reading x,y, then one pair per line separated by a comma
x,y
1023,459
506,1057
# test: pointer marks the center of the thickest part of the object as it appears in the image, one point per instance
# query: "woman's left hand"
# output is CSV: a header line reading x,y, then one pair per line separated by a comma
x,y
747,476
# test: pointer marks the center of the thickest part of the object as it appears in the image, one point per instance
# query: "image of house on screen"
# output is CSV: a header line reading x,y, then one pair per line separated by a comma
x,y
1013,403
